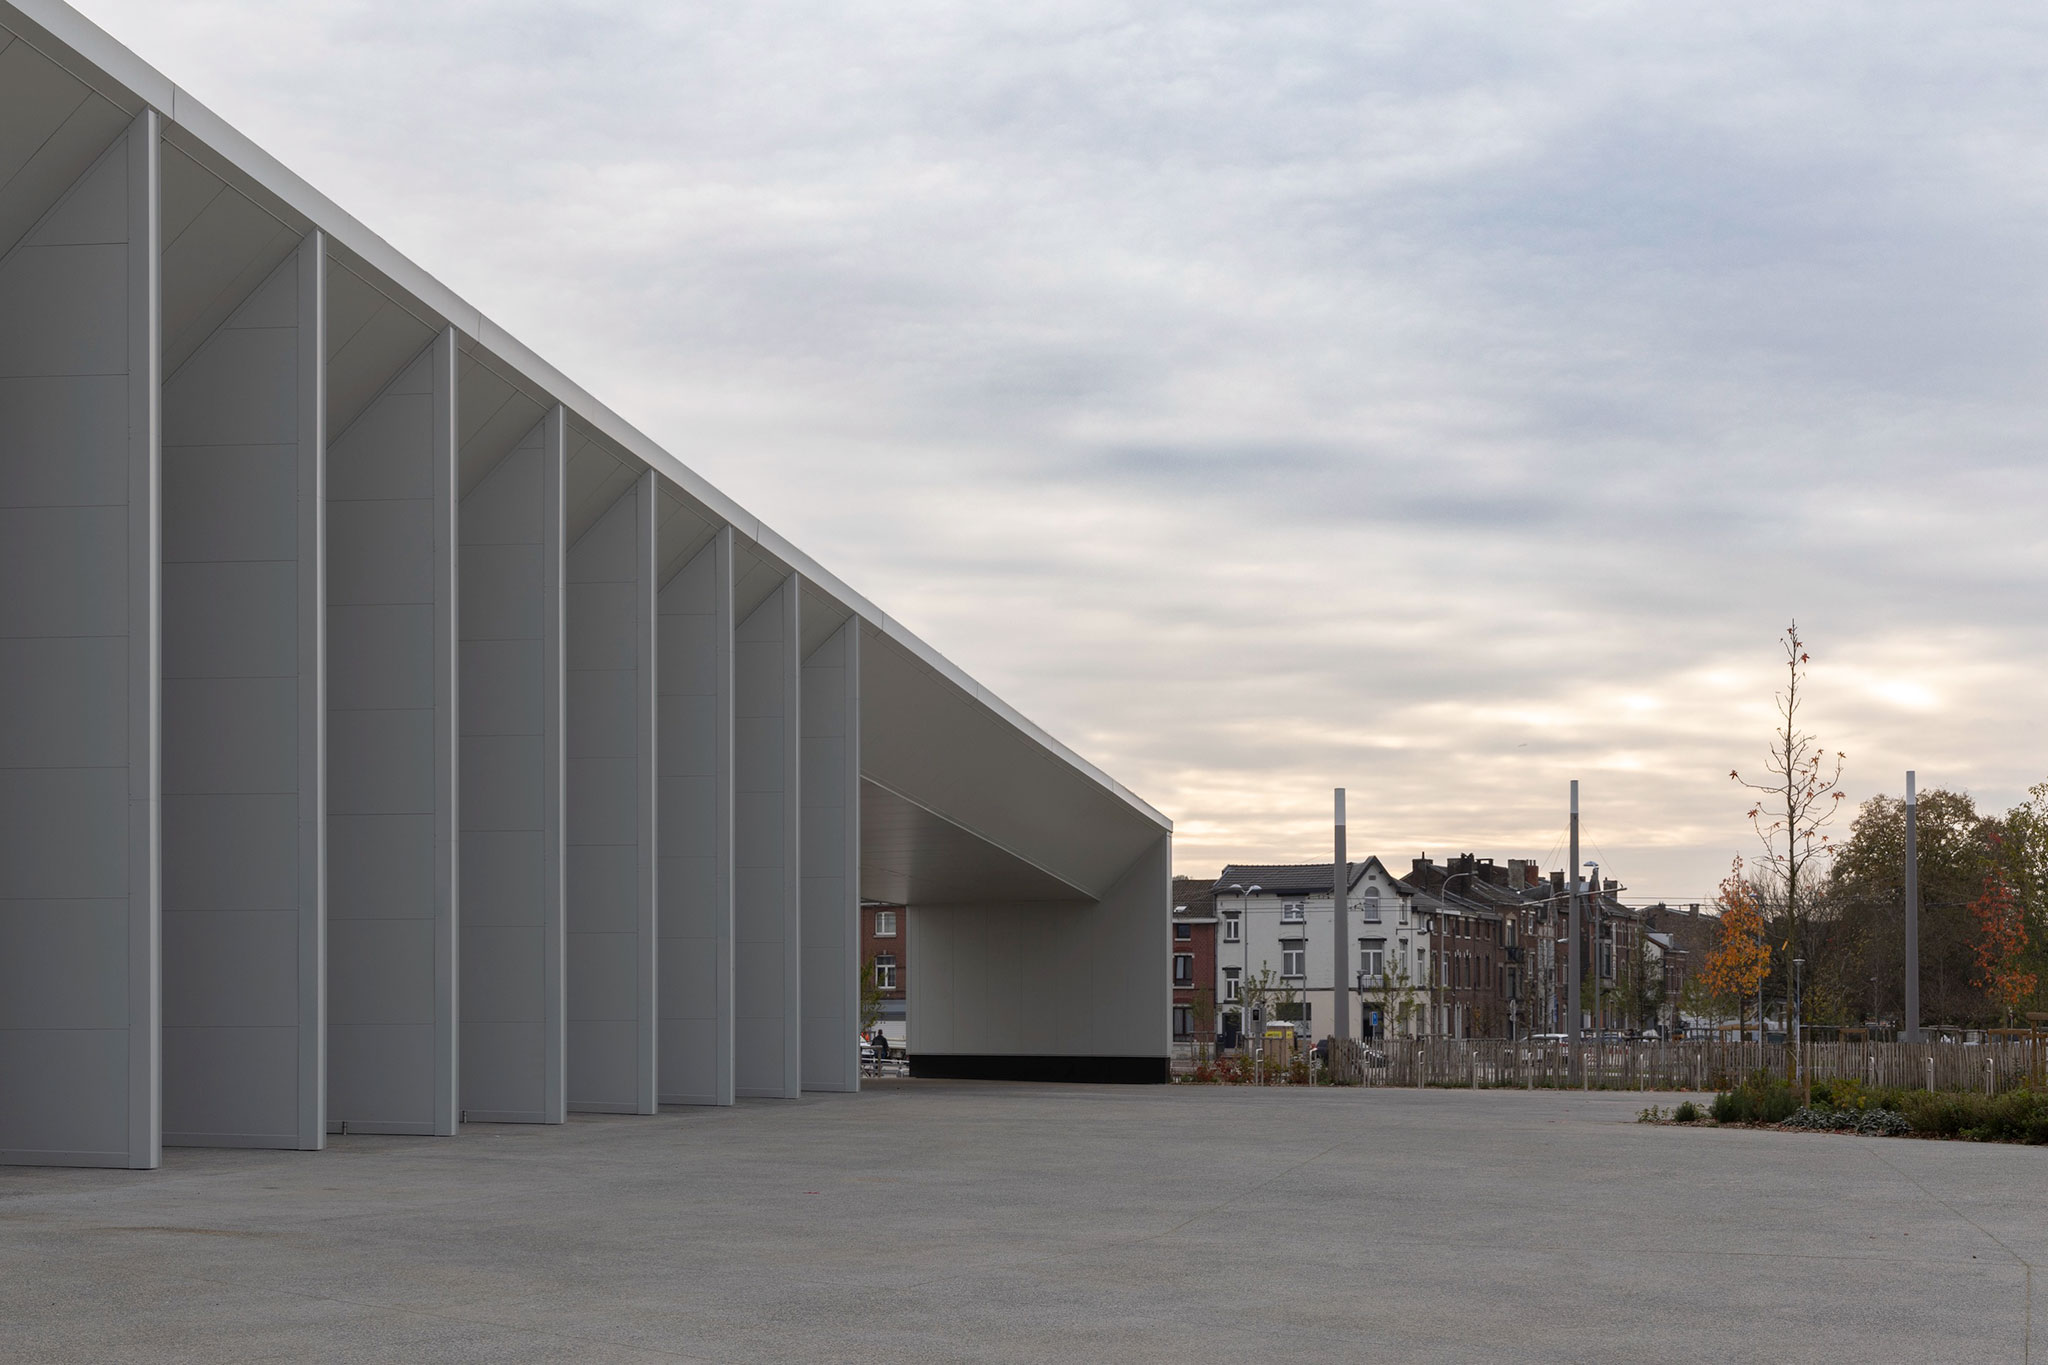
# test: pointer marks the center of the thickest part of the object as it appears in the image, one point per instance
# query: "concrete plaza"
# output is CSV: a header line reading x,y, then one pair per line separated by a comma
x,y
941,1221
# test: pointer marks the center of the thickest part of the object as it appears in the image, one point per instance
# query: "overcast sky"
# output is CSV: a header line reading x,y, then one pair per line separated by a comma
x,y
1439,400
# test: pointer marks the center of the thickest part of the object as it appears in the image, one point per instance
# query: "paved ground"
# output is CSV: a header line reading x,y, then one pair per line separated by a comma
x,y
936,1221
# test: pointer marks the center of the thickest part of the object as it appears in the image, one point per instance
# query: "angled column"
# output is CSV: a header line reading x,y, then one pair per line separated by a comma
x,y
830,783
391,730
767,940
513,1004
79,392
244,723
695,721
611,782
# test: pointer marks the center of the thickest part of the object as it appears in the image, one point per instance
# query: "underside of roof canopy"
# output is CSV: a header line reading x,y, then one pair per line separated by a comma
x,y
390,732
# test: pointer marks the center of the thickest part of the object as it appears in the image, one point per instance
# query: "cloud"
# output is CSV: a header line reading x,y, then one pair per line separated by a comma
x,y
1433,399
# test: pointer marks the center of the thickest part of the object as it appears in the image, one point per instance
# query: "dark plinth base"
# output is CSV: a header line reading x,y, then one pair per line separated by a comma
x,y
955,1066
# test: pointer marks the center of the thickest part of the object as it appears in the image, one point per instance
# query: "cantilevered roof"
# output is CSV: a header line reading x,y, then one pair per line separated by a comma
x,y
969,799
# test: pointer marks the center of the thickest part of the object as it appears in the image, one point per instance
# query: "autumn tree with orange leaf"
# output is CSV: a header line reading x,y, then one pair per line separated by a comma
x,y
1797,796
1999,943
1738,963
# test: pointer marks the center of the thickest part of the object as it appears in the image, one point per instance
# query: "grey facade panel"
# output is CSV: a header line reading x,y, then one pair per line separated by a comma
x,y
767,914
513,727
243,724
830,862
612,868
391,778
696,828
79,1062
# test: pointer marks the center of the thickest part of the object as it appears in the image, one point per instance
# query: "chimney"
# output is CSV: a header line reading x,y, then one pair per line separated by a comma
x,y
1419,866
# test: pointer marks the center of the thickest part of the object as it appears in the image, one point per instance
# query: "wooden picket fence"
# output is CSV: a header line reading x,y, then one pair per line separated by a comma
x,y
1697,1065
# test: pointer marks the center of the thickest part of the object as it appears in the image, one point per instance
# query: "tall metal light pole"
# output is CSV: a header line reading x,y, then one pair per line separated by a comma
x,y
1911,1022
1572,928
1340,979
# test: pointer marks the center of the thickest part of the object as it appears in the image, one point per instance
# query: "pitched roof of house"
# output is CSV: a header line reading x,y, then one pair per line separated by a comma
x,y
1284,879
1193,899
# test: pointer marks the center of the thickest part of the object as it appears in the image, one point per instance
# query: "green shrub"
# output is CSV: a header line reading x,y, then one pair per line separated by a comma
x,y
1763,1098
1843,1092
1686,1112
1848,1105
1875,1122
2016,1116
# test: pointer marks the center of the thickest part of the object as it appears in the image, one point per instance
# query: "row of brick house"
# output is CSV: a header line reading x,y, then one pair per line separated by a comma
x,y
1468,948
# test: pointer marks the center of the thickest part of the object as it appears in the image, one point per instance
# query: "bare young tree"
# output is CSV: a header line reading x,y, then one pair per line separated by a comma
x,y
1796,799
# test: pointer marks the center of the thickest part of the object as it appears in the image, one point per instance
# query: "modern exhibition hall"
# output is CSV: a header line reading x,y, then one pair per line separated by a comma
x,y
392,736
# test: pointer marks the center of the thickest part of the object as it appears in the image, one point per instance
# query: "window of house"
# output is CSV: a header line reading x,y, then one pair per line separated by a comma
x,y
1293,1012
1183,1021
1372,904
885,924
1183,932
1372,956
1291,957
1230,983
1232,928
1183,969
885,971
1292,912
